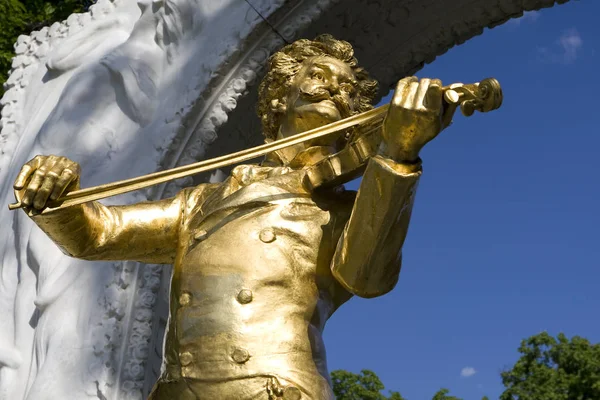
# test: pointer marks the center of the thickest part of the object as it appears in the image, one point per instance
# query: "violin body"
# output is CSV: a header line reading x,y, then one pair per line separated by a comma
x,y
347,164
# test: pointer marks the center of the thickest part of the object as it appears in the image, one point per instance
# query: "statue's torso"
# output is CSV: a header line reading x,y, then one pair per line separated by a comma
x,y
252,286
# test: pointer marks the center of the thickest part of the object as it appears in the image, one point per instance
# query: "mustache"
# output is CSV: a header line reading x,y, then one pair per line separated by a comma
x,y
320,94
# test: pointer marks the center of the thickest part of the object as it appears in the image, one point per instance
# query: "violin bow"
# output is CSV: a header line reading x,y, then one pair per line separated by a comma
x,y
483,96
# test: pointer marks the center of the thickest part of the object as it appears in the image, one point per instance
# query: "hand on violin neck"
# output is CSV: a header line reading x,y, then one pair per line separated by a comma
x,y
413,119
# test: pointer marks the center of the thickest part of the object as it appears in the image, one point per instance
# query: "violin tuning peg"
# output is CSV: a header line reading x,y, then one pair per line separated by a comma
x,y
451,96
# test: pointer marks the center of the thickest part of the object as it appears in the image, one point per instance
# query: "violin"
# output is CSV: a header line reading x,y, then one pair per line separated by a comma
x,y
350,163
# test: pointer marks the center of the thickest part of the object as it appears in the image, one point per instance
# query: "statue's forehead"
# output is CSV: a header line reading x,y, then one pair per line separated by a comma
x,y
332,64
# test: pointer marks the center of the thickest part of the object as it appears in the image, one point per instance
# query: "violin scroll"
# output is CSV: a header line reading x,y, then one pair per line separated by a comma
x,y
482,96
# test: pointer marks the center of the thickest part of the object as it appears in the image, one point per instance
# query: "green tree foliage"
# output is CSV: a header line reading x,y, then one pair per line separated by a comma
x,y
363,386
442,394
368,386
554,369
20,17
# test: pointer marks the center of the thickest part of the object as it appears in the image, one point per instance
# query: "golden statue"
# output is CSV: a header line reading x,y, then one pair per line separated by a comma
x,y
263,259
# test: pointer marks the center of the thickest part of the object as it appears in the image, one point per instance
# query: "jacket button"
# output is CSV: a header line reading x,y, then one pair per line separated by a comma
x,y
267,235
240,356
186,358
292,393
185,299
200,235
244,296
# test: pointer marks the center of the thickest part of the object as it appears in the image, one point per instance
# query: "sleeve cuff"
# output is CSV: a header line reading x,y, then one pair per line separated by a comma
x,y
401,167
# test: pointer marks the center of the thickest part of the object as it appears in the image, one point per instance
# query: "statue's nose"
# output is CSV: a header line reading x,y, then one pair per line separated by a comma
x,y
333,87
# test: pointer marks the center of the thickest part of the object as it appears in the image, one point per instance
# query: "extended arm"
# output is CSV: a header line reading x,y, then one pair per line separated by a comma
x,y
145,232
368,256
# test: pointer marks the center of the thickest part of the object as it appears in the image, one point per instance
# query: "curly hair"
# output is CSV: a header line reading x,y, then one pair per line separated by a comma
x,y
285,64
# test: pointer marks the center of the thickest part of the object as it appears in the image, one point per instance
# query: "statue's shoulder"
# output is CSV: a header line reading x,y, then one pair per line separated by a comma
x,y
194,196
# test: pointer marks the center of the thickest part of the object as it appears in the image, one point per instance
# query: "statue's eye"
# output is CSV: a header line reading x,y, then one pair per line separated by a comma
x,y
318,76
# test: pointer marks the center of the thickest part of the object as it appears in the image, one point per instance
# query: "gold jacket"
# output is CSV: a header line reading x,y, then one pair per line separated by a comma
x,y
260,264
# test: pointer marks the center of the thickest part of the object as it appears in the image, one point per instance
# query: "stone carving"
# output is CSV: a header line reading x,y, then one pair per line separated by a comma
x,y
83,314
42,328
202,88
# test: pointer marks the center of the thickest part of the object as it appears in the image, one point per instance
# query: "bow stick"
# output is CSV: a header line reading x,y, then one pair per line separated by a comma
x,y
484,96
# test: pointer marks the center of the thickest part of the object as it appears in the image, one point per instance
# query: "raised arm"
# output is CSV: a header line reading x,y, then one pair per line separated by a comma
x,y
145,232
368,256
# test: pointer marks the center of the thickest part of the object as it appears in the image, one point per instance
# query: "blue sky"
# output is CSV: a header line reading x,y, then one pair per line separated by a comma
x,y
504,238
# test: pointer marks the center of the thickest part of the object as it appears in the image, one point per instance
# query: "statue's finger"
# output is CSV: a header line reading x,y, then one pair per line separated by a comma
x,y
38,178
66,178
409,79
27,170
32,188
47,187
39,201
410,95
23,176
400,91
436,82
419,100
434,95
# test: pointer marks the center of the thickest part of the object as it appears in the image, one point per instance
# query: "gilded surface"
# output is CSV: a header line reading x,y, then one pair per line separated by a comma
x,y
261,261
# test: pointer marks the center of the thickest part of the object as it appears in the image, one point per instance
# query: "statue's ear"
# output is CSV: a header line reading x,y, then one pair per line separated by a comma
x,y
277,109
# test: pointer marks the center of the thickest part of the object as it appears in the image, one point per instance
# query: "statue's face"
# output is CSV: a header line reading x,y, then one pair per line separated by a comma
x,y
323,91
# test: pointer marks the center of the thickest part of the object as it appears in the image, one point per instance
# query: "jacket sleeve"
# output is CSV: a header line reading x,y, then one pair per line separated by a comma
x,y
146,232
368,256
